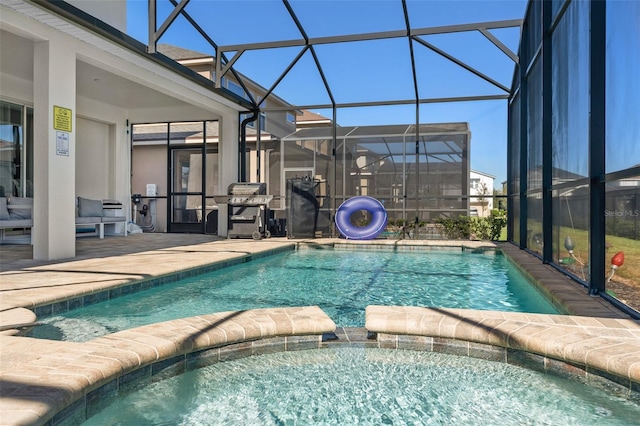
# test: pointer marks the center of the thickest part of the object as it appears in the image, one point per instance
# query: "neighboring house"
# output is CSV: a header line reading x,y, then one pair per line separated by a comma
x,y
370,158
481,192
480,184
381,162
312,119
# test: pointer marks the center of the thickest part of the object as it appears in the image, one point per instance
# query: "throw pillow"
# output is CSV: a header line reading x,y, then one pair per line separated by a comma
x,y
88,207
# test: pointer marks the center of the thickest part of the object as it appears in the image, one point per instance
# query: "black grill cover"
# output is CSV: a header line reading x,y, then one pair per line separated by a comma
x,y
302,207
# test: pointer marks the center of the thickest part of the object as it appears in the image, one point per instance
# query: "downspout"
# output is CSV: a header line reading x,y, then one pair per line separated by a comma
x,y
242,177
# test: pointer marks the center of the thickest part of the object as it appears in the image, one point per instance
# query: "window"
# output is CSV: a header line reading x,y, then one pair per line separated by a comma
x,y
235,88
16,157
291,118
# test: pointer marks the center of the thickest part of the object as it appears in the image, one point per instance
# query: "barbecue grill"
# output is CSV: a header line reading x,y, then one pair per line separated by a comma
x,y
248,210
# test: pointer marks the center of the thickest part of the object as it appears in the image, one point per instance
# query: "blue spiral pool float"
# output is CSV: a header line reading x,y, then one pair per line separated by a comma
x,y
354,204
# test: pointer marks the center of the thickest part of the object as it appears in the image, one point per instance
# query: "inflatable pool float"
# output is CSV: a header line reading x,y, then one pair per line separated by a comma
x,y
355,204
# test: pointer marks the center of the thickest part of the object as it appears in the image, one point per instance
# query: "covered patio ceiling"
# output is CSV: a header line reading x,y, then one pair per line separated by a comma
x,y
341,54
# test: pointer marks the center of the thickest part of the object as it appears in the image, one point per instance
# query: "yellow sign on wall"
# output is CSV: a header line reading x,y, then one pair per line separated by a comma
x,y
62,118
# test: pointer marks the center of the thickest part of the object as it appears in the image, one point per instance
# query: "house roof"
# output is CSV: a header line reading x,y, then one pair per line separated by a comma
x,y
483,174
180,54
310,117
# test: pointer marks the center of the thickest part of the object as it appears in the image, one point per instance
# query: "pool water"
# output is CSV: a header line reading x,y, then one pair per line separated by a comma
x,y
342,386
341,282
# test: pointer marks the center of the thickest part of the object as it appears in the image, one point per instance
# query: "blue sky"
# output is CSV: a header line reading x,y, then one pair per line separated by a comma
x,y
376,70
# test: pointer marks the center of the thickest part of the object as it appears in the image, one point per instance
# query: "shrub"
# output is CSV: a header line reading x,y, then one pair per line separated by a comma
x,y
480,228
497,222
454,228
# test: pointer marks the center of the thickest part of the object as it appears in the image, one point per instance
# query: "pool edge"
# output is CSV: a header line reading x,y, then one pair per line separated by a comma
x,y
46,405
341,337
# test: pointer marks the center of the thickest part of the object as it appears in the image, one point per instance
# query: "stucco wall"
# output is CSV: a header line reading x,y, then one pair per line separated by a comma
x,y
94,156
149,165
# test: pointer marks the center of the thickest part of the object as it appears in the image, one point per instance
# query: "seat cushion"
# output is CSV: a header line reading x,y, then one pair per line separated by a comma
x,y
88,220
113,219
16,223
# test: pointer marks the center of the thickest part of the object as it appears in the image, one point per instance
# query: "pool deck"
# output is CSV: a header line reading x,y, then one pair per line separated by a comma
x,y
39,378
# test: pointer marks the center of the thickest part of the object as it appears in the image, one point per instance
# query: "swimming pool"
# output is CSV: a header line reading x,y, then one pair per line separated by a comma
x,y
341,282
367,386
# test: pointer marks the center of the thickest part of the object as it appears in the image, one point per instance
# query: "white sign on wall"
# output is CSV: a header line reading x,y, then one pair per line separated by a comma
x,y
62,143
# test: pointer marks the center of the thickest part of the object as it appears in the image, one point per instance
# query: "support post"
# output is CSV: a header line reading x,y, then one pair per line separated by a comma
x,y
597,136
547,134
54,91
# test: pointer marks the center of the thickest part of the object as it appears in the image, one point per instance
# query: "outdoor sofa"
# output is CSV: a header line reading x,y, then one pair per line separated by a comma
x,y
16,214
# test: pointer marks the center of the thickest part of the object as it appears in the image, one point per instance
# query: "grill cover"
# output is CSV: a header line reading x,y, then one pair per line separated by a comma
x,y
303,207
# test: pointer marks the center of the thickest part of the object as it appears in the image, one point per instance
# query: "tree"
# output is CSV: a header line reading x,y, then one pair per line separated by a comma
x,y
483,191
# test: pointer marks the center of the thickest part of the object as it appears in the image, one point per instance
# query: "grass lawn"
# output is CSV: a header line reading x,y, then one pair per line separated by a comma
x,y
630,270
